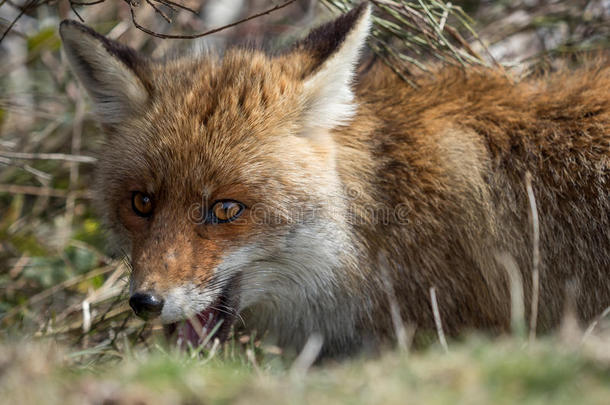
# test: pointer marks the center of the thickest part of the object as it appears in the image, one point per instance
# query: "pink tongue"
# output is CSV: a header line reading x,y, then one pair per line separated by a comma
x,y
195,330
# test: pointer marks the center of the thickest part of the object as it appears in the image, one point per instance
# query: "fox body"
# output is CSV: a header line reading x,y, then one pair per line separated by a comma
x,y
299,195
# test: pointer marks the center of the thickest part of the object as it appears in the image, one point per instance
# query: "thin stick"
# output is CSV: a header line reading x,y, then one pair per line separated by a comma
x,y
444,18
437,320
517,303
203,34
593,324
536,256
24,9
307,357
252,359
42,191
48,156
58,287
77,129
43,177
73,7
78,325
213,349
83,3
86,316
119,297
159,11
399,326
172,4
18,267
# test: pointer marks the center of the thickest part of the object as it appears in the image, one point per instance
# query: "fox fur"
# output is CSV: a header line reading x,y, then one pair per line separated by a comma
x,y
353,181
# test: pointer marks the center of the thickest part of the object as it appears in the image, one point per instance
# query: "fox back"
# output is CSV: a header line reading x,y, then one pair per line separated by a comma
x,y
300,196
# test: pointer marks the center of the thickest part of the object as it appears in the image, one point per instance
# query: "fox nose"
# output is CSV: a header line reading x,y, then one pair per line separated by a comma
x,y
146,305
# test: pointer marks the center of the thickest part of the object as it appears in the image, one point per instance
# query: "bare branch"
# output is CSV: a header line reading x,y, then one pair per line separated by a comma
x,y
42,191
72,6
30,5
159,11
83,3
172,5
203,34
48,156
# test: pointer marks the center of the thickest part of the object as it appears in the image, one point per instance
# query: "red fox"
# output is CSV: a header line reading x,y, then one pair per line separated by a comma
x,y
296,194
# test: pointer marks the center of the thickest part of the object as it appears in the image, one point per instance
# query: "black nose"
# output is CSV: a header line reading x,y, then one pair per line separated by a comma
x,y
146,305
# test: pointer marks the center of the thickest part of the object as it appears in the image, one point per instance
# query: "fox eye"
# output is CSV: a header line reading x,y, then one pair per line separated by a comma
x,y
142,204
225,211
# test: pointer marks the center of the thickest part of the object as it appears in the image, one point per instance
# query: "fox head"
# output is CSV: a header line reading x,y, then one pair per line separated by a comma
x,y
218,174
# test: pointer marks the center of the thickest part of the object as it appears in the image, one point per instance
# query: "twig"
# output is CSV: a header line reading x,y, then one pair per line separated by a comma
x,y
252,359
119,298
439,33
42,191
307,357
77,325
77,129
42,177
437,320
116,301
517,304
463,43
159,11
16,270
23,10
85,246
86,316
410,32
83,3
116,334
203,34
100,295
214,349
172,4
72,6
536,256
593,324
58,287
399,326
49,156
441,25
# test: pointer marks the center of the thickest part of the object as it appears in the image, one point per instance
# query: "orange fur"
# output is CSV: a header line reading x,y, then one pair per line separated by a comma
x,y
431,178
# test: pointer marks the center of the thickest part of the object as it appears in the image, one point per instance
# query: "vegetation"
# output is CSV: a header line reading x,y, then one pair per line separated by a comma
x,y
476,372
67,334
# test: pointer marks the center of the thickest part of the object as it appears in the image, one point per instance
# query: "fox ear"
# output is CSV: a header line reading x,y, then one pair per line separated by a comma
x,y
110,72
333,50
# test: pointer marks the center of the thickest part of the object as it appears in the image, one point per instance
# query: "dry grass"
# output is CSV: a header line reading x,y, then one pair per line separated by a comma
x,y
408,34
477,372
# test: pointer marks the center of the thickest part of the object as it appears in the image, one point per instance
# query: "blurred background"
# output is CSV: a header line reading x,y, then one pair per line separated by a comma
x,y
59,275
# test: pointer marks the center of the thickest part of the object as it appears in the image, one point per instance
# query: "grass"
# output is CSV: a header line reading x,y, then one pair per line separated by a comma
x,y
405,34
476,371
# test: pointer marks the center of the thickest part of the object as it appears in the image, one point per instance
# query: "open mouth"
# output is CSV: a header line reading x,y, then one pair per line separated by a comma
x,y
212,323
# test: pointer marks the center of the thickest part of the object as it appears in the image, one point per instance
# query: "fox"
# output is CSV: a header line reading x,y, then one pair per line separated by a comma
x,y
302,193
